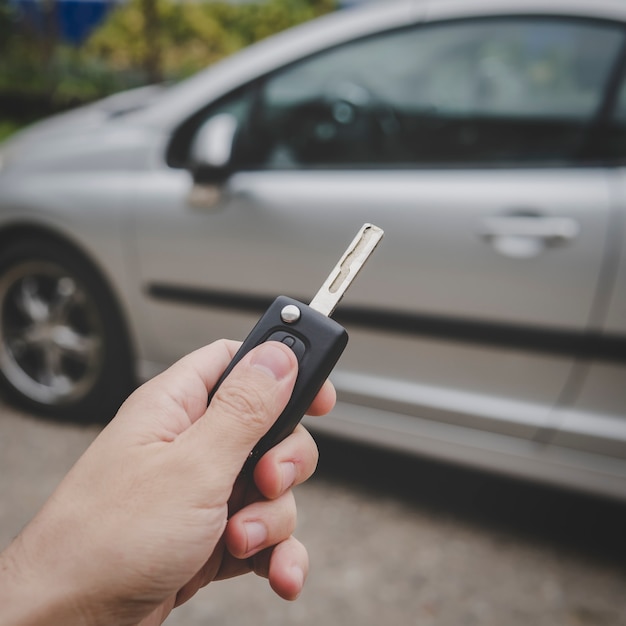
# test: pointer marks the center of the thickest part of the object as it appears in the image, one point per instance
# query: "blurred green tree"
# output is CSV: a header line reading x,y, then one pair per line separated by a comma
x,y
170,39
140,42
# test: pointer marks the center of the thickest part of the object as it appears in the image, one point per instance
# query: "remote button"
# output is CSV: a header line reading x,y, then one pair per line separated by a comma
x,y
296,345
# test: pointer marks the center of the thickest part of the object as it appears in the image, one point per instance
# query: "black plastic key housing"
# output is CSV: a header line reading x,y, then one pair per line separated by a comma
x,y
316,340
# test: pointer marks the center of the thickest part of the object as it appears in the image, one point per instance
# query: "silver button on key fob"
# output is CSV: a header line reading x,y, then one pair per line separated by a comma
x,y
316,340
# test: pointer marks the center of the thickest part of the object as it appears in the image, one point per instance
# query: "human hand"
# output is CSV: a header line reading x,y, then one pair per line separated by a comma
x,y
156,509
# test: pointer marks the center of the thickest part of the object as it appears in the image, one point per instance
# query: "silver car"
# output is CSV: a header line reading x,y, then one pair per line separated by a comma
x,y
488,139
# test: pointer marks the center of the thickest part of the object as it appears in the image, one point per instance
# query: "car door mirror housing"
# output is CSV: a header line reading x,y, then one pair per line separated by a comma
x,y
212,149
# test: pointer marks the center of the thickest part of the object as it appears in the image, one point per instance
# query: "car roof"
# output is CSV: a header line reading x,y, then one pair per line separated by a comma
x,y
599,9
261,58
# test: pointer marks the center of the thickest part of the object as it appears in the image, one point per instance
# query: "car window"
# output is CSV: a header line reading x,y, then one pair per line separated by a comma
x,y
614,137
490,91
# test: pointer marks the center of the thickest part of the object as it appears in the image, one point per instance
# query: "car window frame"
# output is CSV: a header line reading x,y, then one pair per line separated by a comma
x,y
591,153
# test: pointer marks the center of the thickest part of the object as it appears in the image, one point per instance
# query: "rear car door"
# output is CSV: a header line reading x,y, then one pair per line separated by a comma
x,y
465,141
592,417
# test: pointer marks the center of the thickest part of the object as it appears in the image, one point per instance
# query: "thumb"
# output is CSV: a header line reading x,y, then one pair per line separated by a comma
x,y
244,408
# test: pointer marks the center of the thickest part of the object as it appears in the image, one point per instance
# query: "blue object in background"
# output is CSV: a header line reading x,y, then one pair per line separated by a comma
x,y
78,18
72,20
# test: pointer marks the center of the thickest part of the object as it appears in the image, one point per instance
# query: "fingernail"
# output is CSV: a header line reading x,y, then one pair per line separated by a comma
x,y
256,534
288,473
273,360
298,577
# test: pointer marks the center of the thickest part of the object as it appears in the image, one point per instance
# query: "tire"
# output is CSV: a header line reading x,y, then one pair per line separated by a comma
x,y
64,350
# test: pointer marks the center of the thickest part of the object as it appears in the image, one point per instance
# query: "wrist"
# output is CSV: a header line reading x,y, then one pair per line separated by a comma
x,y
31,594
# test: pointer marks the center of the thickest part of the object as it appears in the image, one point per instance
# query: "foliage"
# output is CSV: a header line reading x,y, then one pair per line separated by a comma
x,y
191,35
141,41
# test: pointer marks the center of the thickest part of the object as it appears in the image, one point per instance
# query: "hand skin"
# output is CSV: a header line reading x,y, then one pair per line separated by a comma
x,y
155,509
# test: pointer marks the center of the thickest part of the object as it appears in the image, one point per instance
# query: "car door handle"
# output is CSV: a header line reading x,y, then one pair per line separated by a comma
x,y
551,229
526,236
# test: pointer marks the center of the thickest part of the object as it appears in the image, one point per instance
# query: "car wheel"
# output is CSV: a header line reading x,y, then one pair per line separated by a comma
x,y
63,347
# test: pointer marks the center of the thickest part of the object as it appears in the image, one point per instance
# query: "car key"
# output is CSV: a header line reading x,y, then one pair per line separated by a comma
x,y
316,339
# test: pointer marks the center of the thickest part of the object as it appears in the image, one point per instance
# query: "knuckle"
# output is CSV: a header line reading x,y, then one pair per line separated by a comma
x,y
308,444
292,511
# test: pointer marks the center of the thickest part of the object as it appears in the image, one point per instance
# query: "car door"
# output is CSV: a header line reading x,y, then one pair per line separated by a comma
x,y
592,417
464,140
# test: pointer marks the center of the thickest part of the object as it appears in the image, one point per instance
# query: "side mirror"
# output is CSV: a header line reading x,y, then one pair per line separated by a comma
x,y
212,149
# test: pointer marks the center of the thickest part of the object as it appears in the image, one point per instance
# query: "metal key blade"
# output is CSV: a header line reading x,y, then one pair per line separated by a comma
x,y
342,275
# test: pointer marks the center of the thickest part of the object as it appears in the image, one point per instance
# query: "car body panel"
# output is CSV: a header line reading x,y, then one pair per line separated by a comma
x,y
592,418
440,271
